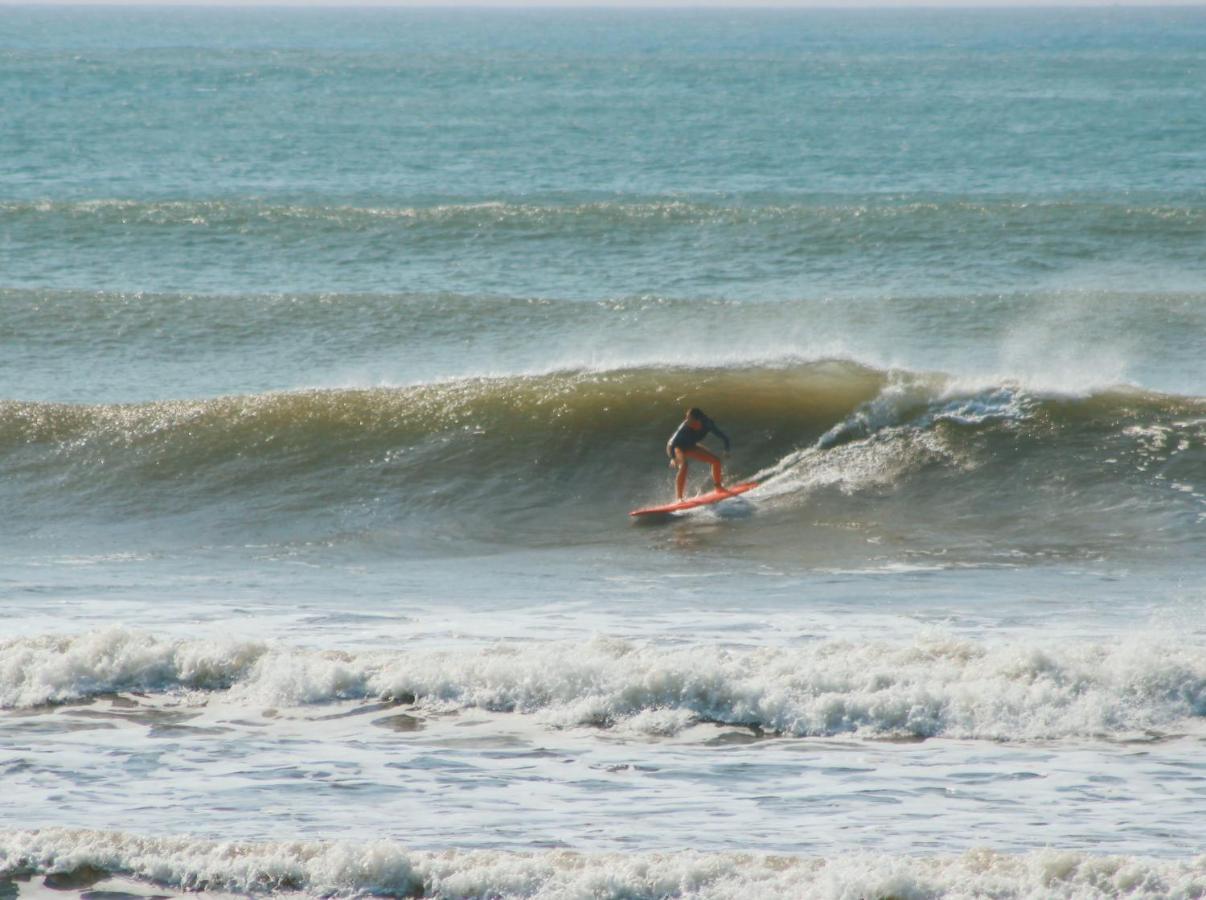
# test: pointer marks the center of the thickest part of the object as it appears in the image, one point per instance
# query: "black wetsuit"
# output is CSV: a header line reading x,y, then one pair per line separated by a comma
x,y
687,437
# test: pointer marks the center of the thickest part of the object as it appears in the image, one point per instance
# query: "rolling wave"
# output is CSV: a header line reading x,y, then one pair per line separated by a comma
x,y
82,858
746,246
934,686
550,450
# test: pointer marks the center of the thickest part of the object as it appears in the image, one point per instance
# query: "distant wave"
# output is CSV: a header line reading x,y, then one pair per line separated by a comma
x,y
375,868
935,686
896,214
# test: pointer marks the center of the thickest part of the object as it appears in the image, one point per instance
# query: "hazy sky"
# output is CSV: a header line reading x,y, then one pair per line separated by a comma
x,y
584,4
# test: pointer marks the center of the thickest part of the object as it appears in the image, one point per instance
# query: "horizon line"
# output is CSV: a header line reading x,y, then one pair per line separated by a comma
x,y
619,5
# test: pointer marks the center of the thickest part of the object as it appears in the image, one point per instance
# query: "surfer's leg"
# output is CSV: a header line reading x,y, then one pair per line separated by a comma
x,y
680,480
711,459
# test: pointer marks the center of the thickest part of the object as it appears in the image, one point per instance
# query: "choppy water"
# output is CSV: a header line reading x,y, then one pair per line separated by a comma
x,y
336,345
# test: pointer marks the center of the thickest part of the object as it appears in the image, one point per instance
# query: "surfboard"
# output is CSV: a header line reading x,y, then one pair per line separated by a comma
x,y
701,500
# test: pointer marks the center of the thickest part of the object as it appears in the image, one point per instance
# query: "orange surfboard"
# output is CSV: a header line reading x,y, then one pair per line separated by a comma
x,y
701,500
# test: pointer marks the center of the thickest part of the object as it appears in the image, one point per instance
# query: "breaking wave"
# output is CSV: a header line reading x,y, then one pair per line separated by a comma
x,y
935,686
80,858
561,452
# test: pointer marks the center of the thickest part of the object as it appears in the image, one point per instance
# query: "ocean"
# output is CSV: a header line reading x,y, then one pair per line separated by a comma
x,y
337,344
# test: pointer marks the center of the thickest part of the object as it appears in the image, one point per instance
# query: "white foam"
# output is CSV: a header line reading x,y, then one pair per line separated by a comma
x,y
921,400
934,685
343,868
888,438
49,669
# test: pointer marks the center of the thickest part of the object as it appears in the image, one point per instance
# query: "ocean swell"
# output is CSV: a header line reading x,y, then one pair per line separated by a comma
x,y
896,214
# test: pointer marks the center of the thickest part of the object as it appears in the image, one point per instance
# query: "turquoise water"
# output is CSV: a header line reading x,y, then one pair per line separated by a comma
x,y
336,345
593,155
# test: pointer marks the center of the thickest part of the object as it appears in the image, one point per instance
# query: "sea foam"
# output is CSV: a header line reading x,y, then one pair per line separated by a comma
x,y
936,685
343,868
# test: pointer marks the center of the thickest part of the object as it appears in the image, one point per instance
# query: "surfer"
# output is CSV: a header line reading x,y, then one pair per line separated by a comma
x,y
684,444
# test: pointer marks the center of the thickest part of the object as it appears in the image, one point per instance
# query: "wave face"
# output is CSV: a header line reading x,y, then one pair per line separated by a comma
x,y
344,868
880,451
935,686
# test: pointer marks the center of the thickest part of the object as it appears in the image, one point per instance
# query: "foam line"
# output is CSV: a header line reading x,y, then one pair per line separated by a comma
x,y
348,868
934,686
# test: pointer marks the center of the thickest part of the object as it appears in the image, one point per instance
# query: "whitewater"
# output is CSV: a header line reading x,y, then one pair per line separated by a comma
x,y
336,345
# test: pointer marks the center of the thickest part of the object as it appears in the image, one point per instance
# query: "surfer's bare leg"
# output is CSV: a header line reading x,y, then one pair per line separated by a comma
x,y
705,456
680,480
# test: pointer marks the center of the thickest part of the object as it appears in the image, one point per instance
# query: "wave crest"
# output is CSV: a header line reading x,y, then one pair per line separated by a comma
x,y
936,686
347,868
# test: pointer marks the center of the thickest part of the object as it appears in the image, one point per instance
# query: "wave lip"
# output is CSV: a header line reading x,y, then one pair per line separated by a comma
x,y
935,686
346,868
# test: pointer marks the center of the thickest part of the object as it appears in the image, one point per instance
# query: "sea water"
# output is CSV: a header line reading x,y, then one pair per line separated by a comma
x,y
336,345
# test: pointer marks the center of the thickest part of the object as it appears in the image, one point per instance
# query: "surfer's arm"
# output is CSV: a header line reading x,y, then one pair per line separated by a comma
x,y
674,439
720,434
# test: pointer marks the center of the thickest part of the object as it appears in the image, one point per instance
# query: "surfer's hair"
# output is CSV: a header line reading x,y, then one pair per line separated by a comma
x,y
696,413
